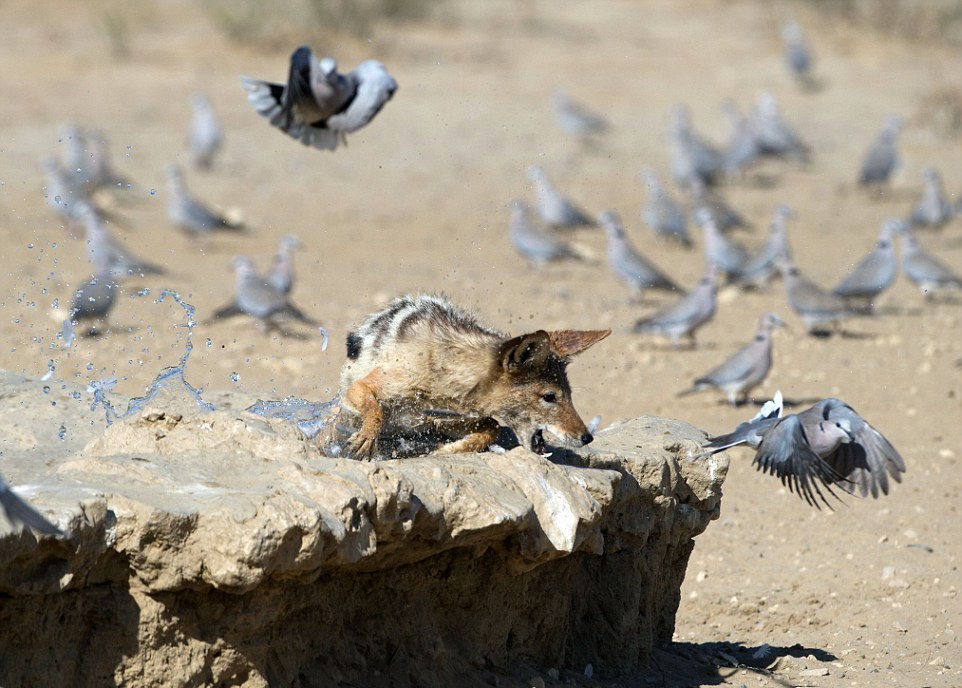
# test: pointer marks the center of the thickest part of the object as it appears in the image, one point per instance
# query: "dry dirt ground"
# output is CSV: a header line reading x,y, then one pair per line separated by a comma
x,y
867,594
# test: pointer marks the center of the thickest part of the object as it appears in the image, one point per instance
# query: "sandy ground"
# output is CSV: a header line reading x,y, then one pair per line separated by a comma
x,y
866,595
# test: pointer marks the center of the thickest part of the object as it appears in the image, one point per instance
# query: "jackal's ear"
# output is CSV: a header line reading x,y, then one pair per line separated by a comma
x,y
566,343
528,350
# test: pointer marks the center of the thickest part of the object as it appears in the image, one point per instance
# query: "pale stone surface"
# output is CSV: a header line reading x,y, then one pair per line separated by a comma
x,y
221,549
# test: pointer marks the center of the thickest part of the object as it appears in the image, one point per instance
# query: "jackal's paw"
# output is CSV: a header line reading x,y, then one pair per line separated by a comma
x,y
361,446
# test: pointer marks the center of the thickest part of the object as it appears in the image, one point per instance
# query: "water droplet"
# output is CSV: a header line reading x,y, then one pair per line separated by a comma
x,y
46,389
153,192
209,343
90,366
62,433
57,199
29,245
235,377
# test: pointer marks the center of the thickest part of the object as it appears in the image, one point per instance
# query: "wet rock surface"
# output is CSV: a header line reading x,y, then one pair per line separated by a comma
x,y
220,548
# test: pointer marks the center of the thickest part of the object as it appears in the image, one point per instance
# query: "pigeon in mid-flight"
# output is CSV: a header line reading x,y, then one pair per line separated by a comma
x,y
828,444
318,105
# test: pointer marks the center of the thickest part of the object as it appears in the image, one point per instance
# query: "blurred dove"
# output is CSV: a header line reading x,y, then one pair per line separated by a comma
x,y
188,213
319,106
829,443
662,214
685,316
281,274
934,210
773,134
876,272
94,299
797,54
574,118
724,215
626,263
692,157
925,270
205,136
742,149
59,193
813,304
104,249
763,265
555,210
18,512
535,243
882,158
746,369
728,256
255,297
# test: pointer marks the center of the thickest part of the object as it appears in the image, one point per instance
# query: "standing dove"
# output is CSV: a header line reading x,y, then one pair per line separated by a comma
x,y
18,512
728,256
925,270
882,158
205,136
685,316
626,263
692,157
763,265
574,118
94,299
281,274
319,106
774,136
813,304
104,249
828,444
746,369
537,244
186,212
724,216
876,272
255,297
798,57
742,149
555,210
934,209
662,214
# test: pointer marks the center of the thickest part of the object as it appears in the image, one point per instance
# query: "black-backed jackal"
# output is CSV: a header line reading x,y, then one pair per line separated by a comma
x,y
422,357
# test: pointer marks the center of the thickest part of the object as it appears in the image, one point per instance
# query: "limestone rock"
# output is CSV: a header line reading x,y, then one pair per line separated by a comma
x,y
221,549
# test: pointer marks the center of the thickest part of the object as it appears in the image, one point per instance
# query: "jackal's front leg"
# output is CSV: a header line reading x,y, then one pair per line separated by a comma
x,y
362,396
481,434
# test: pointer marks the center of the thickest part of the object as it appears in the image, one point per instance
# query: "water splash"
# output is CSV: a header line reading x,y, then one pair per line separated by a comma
x,y
51,369
100,389
170,390
312,418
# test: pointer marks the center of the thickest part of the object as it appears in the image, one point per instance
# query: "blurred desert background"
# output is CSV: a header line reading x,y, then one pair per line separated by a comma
x,y
865,595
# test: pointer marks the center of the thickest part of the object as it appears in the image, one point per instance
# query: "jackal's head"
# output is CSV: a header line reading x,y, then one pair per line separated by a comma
x,y
530,392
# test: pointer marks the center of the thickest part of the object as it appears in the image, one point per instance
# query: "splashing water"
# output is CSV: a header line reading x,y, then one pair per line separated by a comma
x,y
100,388
169,386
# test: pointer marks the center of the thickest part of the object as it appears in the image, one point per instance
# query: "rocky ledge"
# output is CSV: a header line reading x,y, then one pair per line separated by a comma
x,y
219,548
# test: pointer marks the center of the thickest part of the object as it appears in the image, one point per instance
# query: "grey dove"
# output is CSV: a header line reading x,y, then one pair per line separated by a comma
x,y
724,216
813,304
555,210
762,265
882,158
537,244
59,193
255,297
744,370
876,272
827,445
205,136
103,248
775,136
318,105
692,157
798,56
742,149
575,118
281,274
925,270
93,301
19,513
188,213
685,316
934,209
662,214
626,263
729,257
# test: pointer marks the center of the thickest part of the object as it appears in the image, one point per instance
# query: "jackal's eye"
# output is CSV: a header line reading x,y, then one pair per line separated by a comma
x,y
549,397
